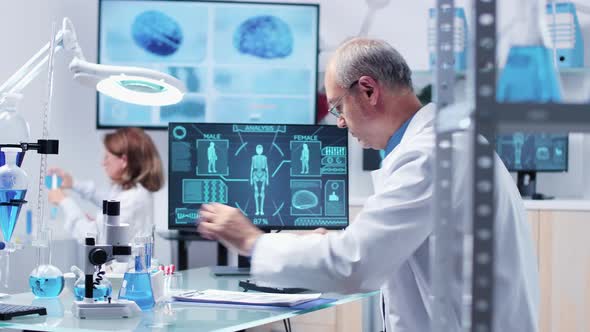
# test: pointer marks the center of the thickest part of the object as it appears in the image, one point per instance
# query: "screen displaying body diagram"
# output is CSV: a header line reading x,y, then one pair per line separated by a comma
x,y
280,176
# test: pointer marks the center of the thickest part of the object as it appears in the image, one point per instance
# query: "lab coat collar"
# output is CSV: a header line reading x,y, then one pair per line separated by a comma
x,y
422,119
397,136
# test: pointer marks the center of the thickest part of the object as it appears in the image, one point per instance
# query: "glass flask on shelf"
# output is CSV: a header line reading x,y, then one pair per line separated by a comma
x,y
529,76
530,72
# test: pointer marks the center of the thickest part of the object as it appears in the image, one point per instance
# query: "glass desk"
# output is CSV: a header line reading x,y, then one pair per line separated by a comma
x,y
165,316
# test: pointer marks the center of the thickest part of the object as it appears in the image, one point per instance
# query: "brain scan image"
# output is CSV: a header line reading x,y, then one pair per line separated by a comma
x,y
157,33
266,37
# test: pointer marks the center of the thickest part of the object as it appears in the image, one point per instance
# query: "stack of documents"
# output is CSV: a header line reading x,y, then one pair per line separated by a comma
x,y
248,298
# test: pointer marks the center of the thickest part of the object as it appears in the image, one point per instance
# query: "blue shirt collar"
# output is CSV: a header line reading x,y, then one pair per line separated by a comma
x,y
397,136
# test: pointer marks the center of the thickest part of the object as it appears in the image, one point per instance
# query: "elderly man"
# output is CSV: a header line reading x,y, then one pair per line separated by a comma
x,y
369,88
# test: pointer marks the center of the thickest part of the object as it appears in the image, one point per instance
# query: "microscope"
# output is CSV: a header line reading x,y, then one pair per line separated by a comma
x,y
117,246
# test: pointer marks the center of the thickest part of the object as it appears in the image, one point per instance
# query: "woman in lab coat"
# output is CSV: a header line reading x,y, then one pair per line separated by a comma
x,y
133,164
369,87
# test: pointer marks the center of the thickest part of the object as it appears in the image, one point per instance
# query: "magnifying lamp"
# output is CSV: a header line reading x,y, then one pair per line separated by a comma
x,y
129,84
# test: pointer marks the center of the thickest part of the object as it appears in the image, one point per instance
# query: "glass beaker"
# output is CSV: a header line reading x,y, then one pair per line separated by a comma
x,y
13,188
137,284
102,287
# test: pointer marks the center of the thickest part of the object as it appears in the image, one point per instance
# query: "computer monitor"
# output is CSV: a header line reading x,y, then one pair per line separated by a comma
x,y
528,154
280,176
242,62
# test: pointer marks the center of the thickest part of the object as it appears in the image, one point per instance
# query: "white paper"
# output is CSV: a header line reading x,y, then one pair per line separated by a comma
x,y
251,298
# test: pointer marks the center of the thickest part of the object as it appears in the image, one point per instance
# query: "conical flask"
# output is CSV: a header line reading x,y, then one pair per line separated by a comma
x,y
137,285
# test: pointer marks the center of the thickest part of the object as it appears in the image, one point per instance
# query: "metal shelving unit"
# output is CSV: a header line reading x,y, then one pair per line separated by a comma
x,y
484,119
443,239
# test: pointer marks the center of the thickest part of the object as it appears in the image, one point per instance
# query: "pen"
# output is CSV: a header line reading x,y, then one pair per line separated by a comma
x,y
190,293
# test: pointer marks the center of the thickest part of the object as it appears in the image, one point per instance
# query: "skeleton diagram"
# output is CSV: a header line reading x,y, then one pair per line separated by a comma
x,y
259,178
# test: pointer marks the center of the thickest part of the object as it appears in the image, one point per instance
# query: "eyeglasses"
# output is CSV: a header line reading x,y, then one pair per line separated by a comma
x,y
334,108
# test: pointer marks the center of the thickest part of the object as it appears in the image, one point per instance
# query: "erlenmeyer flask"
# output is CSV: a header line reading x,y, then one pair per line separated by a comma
x,y
137,284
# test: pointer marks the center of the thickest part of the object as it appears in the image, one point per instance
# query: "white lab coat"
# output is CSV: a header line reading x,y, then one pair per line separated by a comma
x,y
137,208
387,246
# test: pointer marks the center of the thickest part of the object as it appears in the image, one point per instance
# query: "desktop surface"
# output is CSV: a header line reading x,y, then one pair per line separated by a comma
x,y
166,316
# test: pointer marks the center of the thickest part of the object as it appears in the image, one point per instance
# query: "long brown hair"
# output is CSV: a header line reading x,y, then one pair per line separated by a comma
x,y
143,160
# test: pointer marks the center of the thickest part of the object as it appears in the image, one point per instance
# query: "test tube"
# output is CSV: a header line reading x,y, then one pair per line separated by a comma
x,y
53,181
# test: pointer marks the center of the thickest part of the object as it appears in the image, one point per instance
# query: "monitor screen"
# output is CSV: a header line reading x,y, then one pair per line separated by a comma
x,y
533,152
241,62
280,176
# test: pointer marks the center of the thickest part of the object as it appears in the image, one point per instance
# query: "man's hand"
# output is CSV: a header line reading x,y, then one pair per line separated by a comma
x,y
229,226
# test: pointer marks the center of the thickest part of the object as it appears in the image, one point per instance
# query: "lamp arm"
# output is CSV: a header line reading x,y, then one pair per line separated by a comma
x,y
65,38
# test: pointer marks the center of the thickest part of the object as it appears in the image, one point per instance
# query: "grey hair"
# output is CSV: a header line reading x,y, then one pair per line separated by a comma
x,y
371,57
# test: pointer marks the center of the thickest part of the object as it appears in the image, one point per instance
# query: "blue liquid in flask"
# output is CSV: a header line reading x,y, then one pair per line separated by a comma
x,y
529,76
99,293
137,287
9,213
46,287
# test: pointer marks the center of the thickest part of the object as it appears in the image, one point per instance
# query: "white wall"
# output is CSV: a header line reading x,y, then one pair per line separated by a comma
x,y
25,27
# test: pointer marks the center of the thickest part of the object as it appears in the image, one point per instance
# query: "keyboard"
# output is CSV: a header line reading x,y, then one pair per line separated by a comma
x,y
7,311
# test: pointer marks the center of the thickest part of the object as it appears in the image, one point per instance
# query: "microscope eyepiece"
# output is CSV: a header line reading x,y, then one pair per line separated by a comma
x,y
113,208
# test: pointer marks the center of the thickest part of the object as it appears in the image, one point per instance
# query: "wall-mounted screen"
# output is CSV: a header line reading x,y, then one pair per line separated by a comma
x,y
242,62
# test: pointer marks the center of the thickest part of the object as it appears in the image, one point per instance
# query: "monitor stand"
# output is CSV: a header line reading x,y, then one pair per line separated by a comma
x,y
527,185
243,268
